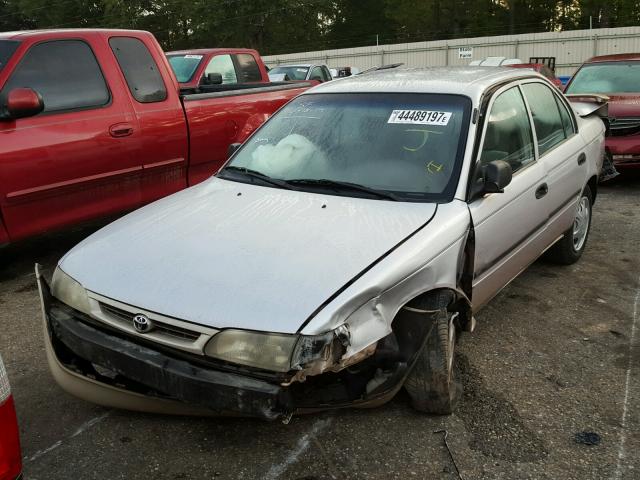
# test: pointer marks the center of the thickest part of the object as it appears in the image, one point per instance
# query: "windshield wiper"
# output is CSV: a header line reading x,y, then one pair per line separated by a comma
x,y
338,185
254,174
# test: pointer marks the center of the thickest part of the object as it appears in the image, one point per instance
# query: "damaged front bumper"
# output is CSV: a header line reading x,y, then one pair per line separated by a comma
x,y
110,368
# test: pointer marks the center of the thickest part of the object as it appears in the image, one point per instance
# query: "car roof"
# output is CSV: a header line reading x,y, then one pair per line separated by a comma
x,y
470,81
618,57
207,51
301,65
23,34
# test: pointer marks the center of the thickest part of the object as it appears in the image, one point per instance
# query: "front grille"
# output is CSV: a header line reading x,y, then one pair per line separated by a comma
x,y
624,125
125,317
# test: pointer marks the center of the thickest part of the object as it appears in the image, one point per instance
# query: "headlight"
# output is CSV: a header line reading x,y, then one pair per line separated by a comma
x,y
271,351
68,291
276,351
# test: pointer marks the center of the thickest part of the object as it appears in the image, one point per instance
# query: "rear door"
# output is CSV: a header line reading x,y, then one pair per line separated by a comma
x,y
509,227
163,136
561,151
76,160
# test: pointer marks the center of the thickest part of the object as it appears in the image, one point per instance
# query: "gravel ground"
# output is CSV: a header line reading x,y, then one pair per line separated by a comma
x,y
553,361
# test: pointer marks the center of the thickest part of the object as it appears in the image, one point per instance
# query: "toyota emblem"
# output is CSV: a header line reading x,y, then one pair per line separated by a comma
x,y
142,323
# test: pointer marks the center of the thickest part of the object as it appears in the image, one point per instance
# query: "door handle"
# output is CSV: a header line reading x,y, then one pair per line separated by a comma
x,y
582,158
121,130
542,190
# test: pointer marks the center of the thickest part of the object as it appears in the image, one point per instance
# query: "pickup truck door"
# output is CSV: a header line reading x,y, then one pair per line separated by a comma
x,y
163,137
562,152
76,160
509,227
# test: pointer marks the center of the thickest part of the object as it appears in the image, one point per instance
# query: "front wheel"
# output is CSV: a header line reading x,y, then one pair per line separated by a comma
x,y
431,384
569,248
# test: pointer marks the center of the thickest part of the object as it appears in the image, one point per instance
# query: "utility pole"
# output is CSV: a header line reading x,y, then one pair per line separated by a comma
x,y
377,44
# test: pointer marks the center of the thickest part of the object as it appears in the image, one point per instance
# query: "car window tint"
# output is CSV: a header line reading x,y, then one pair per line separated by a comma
x,y
508,136
546,117
248,69
567,122
139,68
66,74
223,65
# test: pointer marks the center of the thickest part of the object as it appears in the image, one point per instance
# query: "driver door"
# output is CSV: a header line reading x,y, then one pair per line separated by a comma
x,y
508,226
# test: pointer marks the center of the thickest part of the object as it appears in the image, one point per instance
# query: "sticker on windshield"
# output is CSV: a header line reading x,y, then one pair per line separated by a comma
x,y
193,56
420,117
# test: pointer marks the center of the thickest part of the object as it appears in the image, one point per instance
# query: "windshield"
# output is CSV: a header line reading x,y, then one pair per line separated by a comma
x,y
7,47
409,145
610,77
293,73
184,66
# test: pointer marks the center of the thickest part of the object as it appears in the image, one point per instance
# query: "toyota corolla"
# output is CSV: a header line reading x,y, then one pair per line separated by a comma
x,y
338,254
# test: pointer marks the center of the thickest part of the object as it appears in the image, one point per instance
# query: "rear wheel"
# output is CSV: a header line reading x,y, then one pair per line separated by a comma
x,y
570,247
431,384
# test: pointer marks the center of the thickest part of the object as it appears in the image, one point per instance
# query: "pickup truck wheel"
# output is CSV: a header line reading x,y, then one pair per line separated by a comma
x,y
569,248
431,384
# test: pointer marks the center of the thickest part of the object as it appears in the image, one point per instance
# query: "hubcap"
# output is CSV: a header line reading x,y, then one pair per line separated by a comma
x,y
581,224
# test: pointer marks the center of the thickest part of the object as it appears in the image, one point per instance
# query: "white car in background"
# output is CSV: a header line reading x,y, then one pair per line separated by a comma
x,y
338,254
308,71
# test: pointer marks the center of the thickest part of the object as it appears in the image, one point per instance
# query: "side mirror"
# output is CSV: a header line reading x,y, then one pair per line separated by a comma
x,y
497,175
22,103
232,149
212,78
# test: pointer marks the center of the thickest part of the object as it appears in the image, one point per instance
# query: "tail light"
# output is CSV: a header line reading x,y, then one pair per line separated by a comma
x,y
10,456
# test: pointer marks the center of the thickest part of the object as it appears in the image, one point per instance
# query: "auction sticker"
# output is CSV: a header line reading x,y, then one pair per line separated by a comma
x,y
420,117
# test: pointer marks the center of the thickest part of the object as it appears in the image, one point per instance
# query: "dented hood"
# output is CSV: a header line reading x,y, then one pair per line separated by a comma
x,y
227,254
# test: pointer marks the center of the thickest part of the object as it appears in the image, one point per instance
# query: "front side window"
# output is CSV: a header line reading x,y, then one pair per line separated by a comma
x,y
139,69
291,73
184,66
410,145
248,69
65,73
316,74
7,47
550,130
223,65
606,77
508,135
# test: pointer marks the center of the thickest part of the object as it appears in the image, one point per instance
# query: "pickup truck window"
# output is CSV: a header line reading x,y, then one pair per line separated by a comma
x,y
248,69
7,47
409,145
222,64
546,116
66,74
184,66
508,136
139,69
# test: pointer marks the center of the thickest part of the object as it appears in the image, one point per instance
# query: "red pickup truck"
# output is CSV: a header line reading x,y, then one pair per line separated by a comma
x,y
93,122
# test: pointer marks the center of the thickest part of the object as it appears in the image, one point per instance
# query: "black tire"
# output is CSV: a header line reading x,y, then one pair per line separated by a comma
x,y
565,251
431,384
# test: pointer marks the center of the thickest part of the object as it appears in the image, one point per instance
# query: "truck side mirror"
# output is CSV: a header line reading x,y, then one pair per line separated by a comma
x,y
497,175
212,78
22,103
232,149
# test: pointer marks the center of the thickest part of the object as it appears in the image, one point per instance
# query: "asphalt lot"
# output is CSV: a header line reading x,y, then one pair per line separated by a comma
x,y
553,356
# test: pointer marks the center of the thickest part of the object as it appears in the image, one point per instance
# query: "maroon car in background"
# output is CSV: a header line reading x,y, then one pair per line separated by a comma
x,y
617,77
10,456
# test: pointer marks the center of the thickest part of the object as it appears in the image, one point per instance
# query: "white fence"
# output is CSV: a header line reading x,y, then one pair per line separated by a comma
x,y
570,48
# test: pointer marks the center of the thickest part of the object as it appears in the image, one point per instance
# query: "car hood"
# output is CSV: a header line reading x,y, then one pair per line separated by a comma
x,y
227,254
621,105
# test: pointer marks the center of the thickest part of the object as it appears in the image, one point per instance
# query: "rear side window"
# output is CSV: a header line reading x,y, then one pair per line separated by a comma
x,y
248,69
508,136
223,65
567,122
139,69
550,130
66,74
